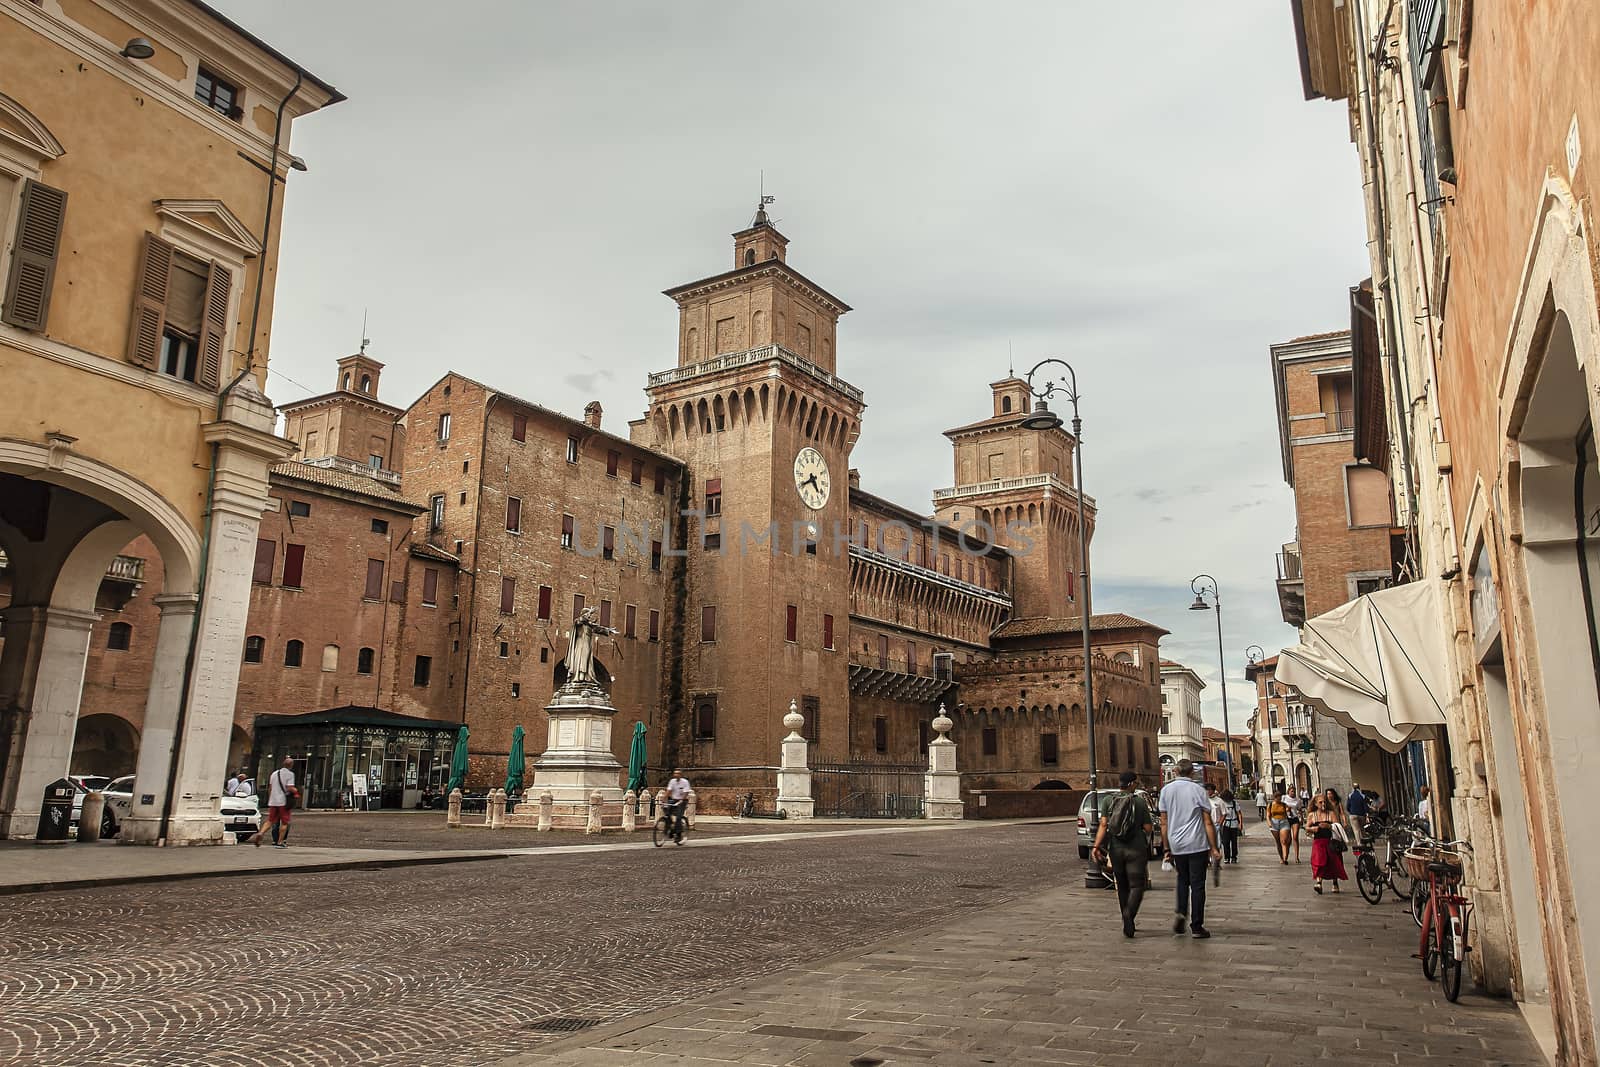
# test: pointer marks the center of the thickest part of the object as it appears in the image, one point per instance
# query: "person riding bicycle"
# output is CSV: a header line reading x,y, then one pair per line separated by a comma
x,y
678,791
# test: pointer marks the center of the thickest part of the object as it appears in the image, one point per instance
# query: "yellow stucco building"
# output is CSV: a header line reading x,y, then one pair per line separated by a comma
x,y
144,146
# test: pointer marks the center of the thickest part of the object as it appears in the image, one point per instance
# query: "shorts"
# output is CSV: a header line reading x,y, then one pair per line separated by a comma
x,y
278,813
1280,824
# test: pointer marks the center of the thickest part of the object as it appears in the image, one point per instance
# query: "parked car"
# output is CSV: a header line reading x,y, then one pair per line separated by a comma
x,y
242,815
1085,841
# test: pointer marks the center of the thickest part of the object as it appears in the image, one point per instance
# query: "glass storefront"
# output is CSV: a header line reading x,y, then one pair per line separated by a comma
x,y
355,757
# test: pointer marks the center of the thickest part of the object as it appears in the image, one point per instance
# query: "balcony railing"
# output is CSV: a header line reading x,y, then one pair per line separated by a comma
x,y
997,485
762,354
122,569
1289,563
1291,585
1341,421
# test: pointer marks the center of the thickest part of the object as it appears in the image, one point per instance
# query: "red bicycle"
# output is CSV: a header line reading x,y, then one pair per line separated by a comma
x,y
1445,938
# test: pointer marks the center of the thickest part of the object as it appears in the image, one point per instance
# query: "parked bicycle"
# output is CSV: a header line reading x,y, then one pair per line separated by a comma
x,y
671,826
1380,858
1445,939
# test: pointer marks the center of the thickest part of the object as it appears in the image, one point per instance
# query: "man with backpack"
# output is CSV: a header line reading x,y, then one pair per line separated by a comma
x,y
1125,826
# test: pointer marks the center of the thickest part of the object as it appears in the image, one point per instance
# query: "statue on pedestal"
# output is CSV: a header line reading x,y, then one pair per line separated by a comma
x,y
580,648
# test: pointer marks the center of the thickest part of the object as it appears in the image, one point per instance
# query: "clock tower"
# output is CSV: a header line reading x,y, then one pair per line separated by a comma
x,y
764,427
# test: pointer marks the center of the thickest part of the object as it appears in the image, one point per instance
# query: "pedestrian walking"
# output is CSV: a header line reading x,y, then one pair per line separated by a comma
x,y
1425,808
1189,837
1357,807
1261,802
1292,801
1125,828
1327,845
281,794
1231,826
1278,824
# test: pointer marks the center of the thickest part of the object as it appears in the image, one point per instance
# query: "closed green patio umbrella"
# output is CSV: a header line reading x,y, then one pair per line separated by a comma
x,y
514,762
458,763
636,761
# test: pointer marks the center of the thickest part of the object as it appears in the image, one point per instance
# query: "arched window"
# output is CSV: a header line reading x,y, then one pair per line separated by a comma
x,y
254,645
293,653
347,379
364,661
366,383
1005,405
749,256
119,637
330,657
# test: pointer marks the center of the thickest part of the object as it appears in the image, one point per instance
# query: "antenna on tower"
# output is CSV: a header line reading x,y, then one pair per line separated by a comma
x,y
1011,362
762,201
365,340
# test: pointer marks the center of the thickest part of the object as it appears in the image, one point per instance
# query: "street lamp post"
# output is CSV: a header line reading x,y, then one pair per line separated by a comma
x,y
1206,586
1253,656
1042,418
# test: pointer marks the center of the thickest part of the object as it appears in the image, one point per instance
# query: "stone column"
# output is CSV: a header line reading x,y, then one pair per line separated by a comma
x,y
143,824
51,690
246,449
941,786
794,778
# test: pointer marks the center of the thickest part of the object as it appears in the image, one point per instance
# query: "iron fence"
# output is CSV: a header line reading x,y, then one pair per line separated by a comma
x,y
868,789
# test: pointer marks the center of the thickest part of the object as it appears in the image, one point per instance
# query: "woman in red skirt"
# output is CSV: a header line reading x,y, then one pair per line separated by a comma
x,y
1326,861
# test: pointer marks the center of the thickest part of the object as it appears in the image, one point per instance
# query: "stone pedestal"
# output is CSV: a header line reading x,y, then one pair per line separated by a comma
x,y
794,777
941,786
577,760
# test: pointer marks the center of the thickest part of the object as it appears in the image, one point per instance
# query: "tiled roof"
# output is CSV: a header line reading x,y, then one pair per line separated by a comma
x,y
1115,620
427,551
1319,336
332,478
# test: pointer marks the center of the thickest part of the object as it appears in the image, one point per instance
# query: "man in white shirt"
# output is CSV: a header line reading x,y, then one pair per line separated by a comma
x,y
678,791
1190,837
280,793
239,786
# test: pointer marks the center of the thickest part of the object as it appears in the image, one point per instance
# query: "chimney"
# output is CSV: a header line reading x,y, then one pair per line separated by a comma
x,y
591,413
855,478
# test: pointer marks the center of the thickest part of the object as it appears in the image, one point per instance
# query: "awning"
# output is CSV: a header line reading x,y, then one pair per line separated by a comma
x,y
1376,665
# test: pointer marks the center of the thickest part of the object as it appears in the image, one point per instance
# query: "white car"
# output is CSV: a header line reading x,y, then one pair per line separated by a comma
x,y
241,815
82,785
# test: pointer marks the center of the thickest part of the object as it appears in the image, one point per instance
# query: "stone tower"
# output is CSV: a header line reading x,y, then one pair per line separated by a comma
x,y
350,424
765,429
1005,474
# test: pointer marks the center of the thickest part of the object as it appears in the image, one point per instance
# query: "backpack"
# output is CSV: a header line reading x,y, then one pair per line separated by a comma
x,y
1122,822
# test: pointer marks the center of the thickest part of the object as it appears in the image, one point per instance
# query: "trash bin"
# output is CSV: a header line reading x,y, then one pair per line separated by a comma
x,y
55,812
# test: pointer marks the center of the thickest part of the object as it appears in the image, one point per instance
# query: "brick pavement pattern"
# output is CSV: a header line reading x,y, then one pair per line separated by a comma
x,y
481,963
1289,978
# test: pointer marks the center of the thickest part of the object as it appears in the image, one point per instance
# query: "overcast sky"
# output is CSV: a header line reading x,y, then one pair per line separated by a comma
x,y
1138,189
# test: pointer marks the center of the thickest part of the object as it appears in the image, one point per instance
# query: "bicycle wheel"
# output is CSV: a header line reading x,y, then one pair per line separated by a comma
x,y
1401,882
1369,878
1450,967
659,832
1419,903
1430,954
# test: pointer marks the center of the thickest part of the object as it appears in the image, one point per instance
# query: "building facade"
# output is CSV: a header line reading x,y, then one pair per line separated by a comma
x,y
1484,390
1182,731
141,149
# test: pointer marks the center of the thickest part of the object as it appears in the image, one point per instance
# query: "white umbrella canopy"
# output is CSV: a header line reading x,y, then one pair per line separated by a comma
x,y
1376,665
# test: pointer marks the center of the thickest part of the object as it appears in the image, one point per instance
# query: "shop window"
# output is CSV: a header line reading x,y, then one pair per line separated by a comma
x,y
254,646
294,653
119,637
364,660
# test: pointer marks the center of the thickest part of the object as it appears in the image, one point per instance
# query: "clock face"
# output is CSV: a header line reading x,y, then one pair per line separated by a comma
x,y
811,478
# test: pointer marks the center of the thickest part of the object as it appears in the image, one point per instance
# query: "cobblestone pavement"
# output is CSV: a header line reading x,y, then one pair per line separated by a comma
x,y
426,830
470,963
1288,978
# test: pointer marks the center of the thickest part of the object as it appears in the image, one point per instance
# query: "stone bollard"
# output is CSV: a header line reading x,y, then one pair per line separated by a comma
x,y
496,817
660,805
630,817
794,777
452,815
688,810
94,807
547,809
595,800
941,786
